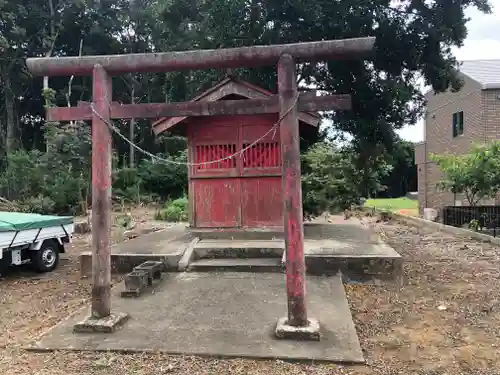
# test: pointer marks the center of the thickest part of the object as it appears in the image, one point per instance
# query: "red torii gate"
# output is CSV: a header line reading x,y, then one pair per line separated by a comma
x,y
288,103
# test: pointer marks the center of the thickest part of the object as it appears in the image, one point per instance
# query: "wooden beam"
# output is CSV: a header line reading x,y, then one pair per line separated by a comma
x,y
101,195
202,59
306,103
83,113
292,193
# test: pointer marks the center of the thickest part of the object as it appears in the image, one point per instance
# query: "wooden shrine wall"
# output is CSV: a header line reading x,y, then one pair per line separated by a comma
x,y
244,191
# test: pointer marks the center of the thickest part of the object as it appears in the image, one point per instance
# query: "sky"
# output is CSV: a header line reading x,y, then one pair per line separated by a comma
x,y
483,42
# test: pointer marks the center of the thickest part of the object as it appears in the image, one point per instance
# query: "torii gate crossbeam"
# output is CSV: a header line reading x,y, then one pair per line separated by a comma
x,y
288,103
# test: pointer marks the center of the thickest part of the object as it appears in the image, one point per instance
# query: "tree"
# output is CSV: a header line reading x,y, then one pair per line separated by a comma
x,y
475,174
331,180
403,176
413,39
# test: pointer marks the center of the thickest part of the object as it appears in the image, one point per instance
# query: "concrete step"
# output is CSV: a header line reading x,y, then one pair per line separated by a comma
x,y
242,234
238,249
237,265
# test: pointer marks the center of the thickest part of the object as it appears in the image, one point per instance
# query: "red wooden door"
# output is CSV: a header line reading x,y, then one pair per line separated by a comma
x,y
261,190
244,191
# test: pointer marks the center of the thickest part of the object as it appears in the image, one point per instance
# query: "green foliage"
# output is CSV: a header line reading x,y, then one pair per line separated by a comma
x,y
59,180
331,181
475,174
124,221
165,180
38,204
403,175
152,179
176,210
127,185
413,39
24,174
54,181
474,225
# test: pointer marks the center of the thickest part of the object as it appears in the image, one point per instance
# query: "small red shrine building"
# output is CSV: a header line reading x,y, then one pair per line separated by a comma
x,y
244,191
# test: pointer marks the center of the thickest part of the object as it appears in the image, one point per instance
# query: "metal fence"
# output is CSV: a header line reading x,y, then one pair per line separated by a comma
x,y
485,219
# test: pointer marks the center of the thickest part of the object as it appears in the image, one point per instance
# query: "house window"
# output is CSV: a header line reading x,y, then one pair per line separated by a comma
x,y
458,123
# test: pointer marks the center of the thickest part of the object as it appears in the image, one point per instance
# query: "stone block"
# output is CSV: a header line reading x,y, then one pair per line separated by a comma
x,y
153,269
311,332
136,280
108,324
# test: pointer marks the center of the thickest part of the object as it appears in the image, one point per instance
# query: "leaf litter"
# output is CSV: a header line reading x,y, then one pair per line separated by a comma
x,y
445,319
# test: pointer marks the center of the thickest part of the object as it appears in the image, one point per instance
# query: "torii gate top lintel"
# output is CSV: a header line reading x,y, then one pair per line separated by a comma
x,y
253,56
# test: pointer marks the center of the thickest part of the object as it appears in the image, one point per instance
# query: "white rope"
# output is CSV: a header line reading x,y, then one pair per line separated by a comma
x,y
117,131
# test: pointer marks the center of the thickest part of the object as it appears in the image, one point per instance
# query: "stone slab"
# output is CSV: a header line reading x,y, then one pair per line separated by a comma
x,y
238,264
123,263
166,245
244,234
109,324
312,230
431,225
188,255
340,230
311,332
222,314
239,244
165,241
239,249
348,249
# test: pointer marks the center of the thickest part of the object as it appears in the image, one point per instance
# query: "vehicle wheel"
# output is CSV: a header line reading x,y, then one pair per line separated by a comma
x,y
47,258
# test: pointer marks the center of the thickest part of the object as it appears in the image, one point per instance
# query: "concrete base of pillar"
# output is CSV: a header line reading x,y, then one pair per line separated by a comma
x,y
108,324
311,332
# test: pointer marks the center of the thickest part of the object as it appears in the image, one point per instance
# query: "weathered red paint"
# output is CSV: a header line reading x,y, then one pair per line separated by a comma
x,y
244,191
292,191
101,195
306,103
202,59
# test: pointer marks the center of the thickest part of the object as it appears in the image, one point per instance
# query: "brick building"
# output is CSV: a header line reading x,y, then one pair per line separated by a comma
x,y
453,122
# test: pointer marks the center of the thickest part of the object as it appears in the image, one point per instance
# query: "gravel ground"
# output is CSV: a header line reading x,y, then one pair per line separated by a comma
x,y
444,320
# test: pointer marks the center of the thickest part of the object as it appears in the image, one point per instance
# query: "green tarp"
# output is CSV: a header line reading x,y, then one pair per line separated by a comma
x,y
16,221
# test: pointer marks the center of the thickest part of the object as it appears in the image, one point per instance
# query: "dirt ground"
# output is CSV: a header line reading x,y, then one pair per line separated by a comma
x,y
444,320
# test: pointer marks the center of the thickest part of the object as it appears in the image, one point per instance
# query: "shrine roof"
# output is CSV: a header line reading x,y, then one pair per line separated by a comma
x,y
229,87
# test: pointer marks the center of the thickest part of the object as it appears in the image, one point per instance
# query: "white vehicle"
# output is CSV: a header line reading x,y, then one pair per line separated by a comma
x,y
33,238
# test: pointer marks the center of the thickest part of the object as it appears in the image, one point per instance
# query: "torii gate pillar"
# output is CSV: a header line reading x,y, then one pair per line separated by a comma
x,y
101,193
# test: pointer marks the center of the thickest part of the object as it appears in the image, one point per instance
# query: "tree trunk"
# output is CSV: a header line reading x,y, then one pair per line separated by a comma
x,y
132,131
11,131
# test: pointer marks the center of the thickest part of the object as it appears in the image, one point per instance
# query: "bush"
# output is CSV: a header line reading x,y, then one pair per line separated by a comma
x,y
332,182
58,181
38,205
127,185
176,210
166,181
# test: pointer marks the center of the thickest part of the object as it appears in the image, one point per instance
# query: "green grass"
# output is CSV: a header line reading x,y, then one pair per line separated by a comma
x,y
393,204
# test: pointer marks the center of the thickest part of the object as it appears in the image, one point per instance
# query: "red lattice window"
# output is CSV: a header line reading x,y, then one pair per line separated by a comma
x,y
208,153
262,155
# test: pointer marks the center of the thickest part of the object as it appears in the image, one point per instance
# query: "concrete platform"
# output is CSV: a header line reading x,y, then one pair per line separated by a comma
x,y
340,230
353,250
165,245
345,246
221,314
